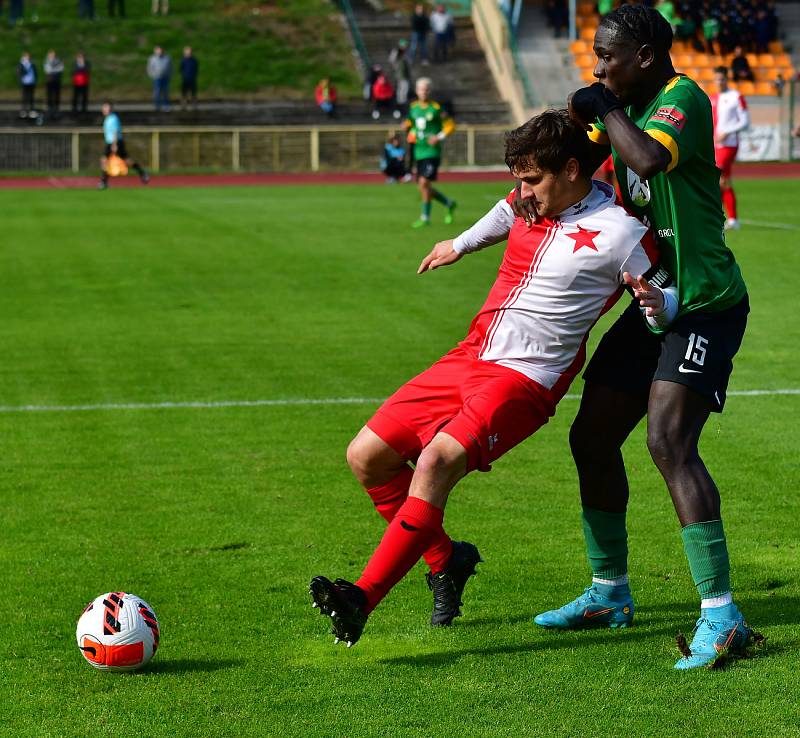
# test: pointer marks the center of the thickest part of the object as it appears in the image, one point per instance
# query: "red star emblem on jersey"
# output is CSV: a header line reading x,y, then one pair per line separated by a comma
x,y
584,238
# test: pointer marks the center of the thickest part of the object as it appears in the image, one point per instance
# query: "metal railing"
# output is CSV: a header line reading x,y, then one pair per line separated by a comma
x,y
355,33
237,149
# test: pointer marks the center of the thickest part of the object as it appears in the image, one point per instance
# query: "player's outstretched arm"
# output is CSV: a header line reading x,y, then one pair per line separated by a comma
x,y
441,255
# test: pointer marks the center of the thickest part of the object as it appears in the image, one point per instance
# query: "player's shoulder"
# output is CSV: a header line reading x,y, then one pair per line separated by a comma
x,y
685,89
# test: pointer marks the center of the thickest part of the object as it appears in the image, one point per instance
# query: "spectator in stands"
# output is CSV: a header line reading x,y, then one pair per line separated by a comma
x,y
27,77
401,69
189,71
383,97
393,163
420,26
81,76
710,32
53,72
740,67
114,6
160,6
325,95
762,32
557,16
86,9
159,69
441,22
16,11
369,80
667,9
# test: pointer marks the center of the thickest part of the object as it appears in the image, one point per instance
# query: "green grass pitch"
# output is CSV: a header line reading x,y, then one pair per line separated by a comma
x,y
220,516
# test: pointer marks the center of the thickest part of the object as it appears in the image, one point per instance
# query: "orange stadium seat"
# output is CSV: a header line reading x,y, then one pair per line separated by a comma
x,y
776,47
586,9
585,61
701,74
579,46
763,88
683,61
746,88
752,60
587,34
586,21
782,60
587,76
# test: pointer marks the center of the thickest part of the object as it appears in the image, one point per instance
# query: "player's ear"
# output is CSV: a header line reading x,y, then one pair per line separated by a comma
x,y
573,169
645,56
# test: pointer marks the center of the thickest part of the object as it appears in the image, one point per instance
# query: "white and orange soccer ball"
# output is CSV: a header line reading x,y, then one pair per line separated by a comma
x,y
118,632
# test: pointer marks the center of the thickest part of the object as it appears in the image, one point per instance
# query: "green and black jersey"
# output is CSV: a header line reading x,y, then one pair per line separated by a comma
x,y
683,204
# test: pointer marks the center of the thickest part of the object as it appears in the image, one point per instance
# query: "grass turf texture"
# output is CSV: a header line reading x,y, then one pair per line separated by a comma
x,y
219,517
282,49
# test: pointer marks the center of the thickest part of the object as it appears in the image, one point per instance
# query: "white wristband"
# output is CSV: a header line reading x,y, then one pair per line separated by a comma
x,y
670,312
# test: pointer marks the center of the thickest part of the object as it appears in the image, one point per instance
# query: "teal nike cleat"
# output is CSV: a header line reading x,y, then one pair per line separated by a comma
x,y
448,216
593,609
719,633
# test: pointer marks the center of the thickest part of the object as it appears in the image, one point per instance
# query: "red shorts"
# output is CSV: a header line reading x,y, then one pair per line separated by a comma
x,y
724,156
486,407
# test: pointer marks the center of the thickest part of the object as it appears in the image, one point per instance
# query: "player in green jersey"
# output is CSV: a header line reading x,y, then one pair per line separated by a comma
x,y
428,125
660,131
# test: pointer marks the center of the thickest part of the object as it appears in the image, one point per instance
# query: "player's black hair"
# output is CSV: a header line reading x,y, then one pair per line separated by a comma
x,y
721,70
548,141
640,25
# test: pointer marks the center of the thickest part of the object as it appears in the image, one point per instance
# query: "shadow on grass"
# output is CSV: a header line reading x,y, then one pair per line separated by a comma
x,y
187,666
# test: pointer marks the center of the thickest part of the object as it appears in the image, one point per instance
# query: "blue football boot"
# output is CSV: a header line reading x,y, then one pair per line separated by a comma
x,y
600,606
720,632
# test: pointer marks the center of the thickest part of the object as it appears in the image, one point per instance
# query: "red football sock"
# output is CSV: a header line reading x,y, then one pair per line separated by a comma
x,y
413,530
729,200
389,497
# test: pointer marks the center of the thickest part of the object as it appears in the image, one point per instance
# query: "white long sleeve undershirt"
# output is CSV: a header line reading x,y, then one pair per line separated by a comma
x,y
492,228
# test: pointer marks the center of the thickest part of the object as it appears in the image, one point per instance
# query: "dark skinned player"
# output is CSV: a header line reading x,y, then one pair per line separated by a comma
x,y
659,127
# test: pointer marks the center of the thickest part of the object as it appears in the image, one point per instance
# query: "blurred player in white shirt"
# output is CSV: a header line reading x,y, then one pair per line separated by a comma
x,y
730,118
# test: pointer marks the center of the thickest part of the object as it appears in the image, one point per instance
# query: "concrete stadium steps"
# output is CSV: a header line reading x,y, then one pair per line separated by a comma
x,y
464,80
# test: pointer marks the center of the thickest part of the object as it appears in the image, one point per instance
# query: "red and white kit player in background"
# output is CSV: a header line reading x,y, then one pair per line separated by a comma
x,y
503,381
730,118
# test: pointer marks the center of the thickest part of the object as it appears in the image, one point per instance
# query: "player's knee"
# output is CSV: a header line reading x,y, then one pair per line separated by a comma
x,y
361,460
588,443
668,445
438,462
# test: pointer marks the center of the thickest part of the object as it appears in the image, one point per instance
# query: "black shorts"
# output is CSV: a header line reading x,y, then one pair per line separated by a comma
x,y
696,351
122,152
428,168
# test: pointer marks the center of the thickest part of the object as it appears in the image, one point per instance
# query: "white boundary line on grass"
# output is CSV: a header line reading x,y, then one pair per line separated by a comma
x,y
770,224
7,409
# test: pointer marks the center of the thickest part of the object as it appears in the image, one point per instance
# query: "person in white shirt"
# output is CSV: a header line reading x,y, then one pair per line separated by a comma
x,y
441,25
730,118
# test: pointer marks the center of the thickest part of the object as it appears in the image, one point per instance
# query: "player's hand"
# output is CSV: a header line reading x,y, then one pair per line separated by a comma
x,y
522,208
650,297
592,102
433,140
113,148
720,137
441,255
575,115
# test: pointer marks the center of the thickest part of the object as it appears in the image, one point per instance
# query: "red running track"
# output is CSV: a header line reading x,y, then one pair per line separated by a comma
x,y
770,170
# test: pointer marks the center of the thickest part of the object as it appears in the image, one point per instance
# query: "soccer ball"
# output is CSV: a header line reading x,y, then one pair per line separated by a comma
x,y
118,632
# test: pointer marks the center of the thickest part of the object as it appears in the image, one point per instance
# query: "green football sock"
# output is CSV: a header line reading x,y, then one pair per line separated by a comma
x,y
439,197
426,211
707,552
606,542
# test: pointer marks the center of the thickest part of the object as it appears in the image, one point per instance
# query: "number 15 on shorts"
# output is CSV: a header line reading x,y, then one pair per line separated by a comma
x,y
696,350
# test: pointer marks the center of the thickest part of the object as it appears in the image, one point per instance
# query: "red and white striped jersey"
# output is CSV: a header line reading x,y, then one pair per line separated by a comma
x,y
556,279
731,116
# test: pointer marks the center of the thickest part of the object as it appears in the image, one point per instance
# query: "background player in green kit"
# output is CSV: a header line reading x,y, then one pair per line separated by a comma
x,y
428,125
659,127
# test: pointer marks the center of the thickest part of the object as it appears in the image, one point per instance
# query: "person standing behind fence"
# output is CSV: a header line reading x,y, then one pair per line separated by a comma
x,y
53,71
159,69
81,76
401,68
16,10
420,25
114,6
27,76
441,22
189,70
115,146
161,6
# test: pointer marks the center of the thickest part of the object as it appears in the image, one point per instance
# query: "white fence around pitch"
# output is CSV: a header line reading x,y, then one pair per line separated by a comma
x,y
240,149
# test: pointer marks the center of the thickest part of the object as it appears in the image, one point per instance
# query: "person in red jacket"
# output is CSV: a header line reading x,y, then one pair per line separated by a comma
x,y
383,96
325,95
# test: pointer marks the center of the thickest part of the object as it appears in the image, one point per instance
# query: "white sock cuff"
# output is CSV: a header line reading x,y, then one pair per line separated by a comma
x,y
725,599
615,582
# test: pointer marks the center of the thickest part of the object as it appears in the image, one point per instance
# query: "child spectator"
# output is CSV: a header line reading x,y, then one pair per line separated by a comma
x,y
53,71
27,77
383,96
81,76
189,69
325,95
393,160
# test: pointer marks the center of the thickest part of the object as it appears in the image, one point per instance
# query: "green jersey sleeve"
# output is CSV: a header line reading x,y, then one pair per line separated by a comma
x,y
677,120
